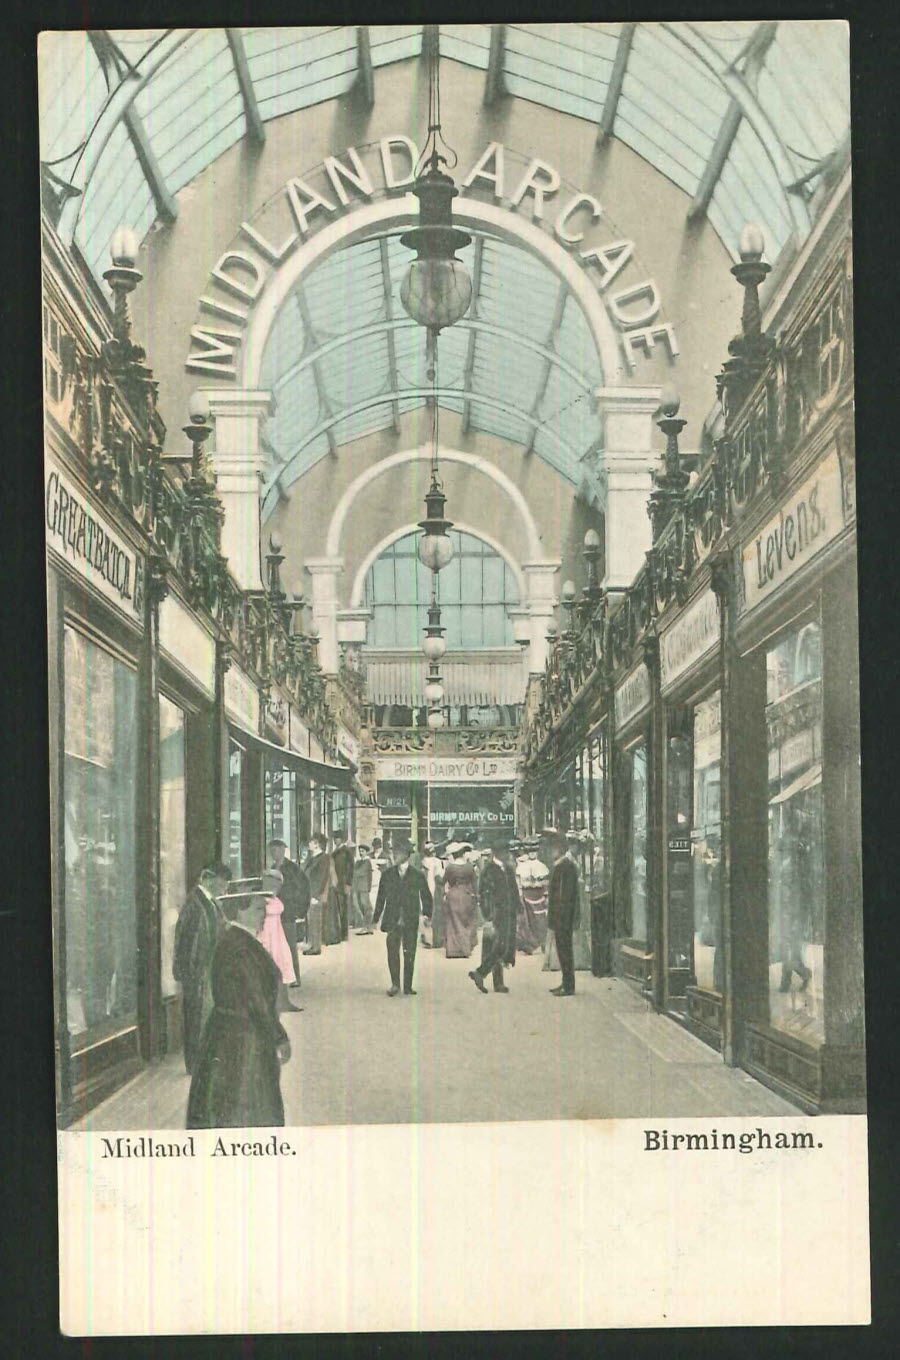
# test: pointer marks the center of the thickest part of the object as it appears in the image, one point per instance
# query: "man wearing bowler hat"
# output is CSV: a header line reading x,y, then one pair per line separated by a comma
x,y
403,890
498,895
563,907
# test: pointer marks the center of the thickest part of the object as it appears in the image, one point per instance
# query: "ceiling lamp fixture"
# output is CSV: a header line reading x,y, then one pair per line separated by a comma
x,y
435,547
437,288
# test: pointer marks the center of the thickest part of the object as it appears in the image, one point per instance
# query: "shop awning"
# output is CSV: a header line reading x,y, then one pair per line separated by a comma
x,y
494,677
807,780
339,777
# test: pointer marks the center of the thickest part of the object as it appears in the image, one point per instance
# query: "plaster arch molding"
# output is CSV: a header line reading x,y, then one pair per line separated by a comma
x,y
474,461
359,580
401,212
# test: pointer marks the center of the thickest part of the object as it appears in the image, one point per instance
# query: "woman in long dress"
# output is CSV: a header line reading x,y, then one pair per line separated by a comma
x,y
460,904
273,939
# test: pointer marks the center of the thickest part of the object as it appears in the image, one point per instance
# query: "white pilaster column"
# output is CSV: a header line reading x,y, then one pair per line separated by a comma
x,y
540,578
325,607
240,465
628,459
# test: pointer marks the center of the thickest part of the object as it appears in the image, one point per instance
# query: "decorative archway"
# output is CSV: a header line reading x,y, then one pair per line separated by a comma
x,y
359,580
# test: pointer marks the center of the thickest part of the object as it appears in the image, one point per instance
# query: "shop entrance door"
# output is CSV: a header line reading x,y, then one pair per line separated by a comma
x,y
679,878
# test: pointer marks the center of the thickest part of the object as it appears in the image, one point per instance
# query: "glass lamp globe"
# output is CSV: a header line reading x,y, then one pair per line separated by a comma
x,y
198,408
435,551
123,247
434,691
752,243
568,592
275,541
434,648
436,292
435,718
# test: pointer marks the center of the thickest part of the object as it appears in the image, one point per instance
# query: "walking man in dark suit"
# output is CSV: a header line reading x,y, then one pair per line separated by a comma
x,y
563,907
498,898
402,893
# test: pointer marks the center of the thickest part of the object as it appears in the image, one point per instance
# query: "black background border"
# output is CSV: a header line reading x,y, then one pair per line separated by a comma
x,y
28,1231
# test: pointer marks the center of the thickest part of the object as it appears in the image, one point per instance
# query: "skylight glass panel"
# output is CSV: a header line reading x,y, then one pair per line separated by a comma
x,y
293,72
467,43
346,291
356,371
72,91
576,343
749,191
117,194
394,42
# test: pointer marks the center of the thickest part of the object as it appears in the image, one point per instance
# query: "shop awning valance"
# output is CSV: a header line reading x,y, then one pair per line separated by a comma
x,y
807,780
339,777
478,678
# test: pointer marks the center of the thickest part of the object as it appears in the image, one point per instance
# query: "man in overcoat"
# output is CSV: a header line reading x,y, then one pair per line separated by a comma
x,y
499,903
322,880
563,907
237,1081
196,934
343,856
402,894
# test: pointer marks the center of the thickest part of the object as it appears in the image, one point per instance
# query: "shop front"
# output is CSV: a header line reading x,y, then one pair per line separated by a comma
x,y
800,956
694,948
633,953
96,644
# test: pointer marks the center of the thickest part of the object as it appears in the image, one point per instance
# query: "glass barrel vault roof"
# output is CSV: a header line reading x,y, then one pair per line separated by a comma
x,y
743,116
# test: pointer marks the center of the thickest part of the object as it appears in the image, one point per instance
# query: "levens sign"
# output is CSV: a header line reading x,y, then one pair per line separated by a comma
x,y
343,182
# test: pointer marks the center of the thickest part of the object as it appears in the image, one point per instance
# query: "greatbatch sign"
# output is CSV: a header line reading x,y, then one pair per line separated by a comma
x,y
83,539
241,274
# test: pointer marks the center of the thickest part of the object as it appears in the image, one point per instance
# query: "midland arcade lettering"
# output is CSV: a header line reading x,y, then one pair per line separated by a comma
x,y
242,274
85,542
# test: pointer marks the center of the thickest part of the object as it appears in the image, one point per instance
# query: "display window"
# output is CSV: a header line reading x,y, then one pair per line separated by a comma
x,y
706,846
796,857
679,877
172,852
99,852
596,760
637,855
235,809
282,808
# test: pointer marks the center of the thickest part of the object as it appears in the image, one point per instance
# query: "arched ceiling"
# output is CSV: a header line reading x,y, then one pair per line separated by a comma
x,y
746,118
344,359
743,116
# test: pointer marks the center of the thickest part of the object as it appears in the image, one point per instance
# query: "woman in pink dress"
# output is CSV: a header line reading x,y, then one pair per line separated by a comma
x,y
460,903
273,938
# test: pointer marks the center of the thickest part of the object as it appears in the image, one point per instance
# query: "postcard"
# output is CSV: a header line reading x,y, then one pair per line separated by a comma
x,y
450,531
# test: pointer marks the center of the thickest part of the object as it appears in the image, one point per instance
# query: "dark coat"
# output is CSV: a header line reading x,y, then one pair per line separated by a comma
x,y
196,935
399,898
499,903
343,858
564,904
320,875
237,1082
295,892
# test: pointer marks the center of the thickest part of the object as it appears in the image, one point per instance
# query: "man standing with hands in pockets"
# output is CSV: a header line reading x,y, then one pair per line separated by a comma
x,y
402,893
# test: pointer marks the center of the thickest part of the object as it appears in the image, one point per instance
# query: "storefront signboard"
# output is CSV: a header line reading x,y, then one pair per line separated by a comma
x,y
633,695
446,768
347,744
805,524
187,642
79,534
689,639
298,734
463,806
241,699
394,802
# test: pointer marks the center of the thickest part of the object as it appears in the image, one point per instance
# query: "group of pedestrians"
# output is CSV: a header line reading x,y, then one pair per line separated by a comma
x,y
237,947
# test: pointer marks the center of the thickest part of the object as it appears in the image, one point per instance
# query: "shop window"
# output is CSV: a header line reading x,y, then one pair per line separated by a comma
x,y
638,856
830,346
172,857
235,815
99,787
597,762
706,847
796,887
282,819
679,878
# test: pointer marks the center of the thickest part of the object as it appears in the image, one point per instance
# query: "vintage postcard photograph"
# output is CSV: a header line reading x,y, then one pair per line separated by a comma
x,y
450,528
